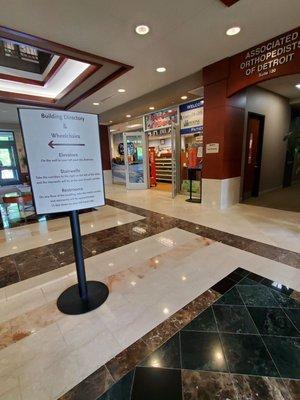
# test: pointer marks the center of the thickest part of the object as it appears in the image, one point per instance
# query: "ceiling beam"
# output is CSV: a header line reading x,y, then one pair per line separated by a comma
x,y
229,3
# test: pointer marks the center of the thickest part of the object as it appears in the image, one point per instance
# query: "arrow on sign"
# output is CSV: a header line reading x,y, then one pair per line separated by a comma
x,y
52,145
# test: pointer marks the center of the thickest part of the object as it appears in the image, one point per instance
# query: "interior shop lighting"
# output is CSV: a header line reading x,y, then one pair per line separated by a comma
x,y
161,69
151,108
128,116
142,29
234,30
183,97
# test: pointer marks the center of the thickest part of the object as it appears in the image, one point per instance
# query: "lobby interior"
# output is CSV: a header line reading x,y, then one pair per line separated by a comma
x,y
204,297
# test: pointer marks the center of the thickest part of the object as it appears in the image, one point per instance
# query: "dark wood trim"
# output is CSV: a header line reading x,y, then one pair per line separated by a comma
x,y
98,86
20,98
81,78
229,3
65,52
53,47
20,79
55,68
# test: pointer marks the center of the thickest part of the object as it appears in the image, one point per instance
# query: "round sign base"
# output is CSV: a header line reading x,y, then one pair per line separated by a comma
x,y
69,302
193,200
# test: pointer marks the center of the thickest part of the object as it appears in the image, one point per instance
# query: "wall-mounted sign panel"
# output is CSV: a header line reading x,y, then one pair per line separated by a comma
x,y
276,57
162,119
212,148
64,159
191,117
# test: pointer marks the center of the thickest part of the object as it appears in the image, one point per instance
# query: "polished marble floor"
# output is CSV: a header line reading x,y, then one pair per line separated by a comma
x,y
162,272
267,225
246,345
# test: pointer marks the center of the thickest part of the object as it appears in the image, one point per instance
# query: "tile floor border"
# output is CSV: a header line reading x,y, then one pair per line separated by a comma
x,y
96,385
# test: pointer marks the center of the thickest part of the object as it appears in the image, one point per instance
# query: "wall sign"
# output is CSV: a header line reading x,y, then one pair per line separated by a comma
x,y
63,153
162,119
276,57
212,148
191,117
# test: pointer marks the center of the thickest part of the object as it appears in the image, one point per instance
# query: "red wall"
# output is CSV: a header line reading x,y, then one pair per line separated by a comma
x,y
223,123
104,140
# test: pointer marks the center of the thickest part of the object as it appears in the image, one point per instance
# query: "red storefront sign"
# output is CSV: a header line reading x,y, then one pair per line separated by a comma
x,y
152,166
276,57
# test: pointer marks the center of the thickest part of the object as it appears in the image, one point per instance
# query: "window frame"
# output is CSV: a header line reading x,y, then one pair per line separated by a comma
x,y
6,144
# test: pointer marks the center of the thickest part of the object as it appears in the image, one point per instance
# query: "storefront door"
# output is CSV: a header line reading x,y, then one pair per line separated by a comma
x,y
254,144
136,160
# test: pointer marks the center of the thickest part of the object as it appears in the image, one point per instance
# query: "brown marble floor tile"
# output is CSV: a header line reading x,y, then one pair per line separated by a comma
x,y
265,388
163,332
34,266
293,387
128,359
198,385
92,387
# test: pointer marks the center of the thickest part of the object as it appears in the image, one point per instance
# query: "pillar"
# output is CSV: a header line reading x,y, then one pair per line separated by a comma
x,y
224,119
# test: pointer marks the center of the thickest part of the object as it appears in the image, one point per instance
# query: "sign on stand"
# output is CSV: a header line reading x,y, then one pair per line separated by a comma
x,y
63,152
64,160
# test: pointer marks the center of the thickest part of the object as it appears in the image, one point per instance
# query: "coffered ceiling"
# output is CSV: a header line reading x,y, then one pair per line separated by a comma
x,y
183,37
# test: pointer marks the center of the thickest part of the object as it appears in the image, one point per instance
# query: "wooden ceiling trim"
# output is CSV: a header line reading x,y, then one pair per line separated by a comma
x,y
65,52
53,71
229,3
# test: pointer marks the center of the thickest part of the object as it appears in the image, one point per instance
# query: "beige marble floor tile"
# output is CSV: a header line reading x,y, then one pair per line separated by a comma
x,y
271,226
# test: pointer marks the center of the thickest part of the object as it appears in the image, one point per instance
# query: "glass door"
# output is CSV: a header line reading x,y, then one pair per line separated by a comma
x,y
136,158
9,166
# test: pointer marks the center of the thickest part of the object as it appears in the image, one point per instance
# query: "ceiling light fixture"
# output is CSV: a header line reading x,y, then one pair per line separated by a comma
x,y
169,111
121,90
298,86
234,30
96,104
142,29
128,115
183,97
110,121
151,108
161,69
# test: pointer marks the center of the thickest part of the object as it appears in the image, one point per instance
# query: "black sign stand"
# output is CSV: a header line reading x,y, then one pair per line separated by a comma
x,y
86,295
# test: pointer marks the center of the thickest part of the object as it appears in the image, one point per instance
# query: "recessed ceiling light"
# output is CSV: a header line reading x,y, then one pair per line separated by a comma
x,y
169,111
128,115
110,121
151,108
161,69
298,86
234,30
96,104
142,29
183,97
121,90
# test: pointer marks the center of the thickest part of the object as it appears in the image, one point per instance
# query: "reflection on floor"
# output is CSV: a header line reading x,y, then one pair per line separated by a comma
x,y
287,199
162,273
243,346
49,231
266,225
164,186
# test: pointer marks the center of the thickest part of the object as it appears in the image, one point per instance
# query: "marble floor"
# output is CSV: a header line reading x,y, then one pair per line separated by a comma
x,y
162,273
267,225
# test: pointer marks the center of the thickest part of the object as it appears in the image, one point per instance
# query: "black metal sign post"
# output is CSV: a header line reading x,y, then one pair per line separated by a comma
x,y
86,295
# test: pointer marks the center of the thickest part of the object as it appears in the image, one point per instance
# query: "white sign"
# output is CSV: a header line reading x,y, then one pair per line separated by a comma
x,y
63,154
212,148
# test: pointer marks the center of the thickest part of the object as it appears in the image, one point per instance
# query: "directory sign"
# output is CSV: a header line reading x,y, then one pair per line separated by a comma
x,y
64,159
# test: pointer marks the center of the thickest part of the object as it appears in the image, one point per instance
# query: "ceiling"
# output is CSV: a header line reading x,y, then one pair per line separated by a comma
x,y
184,36
285,86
